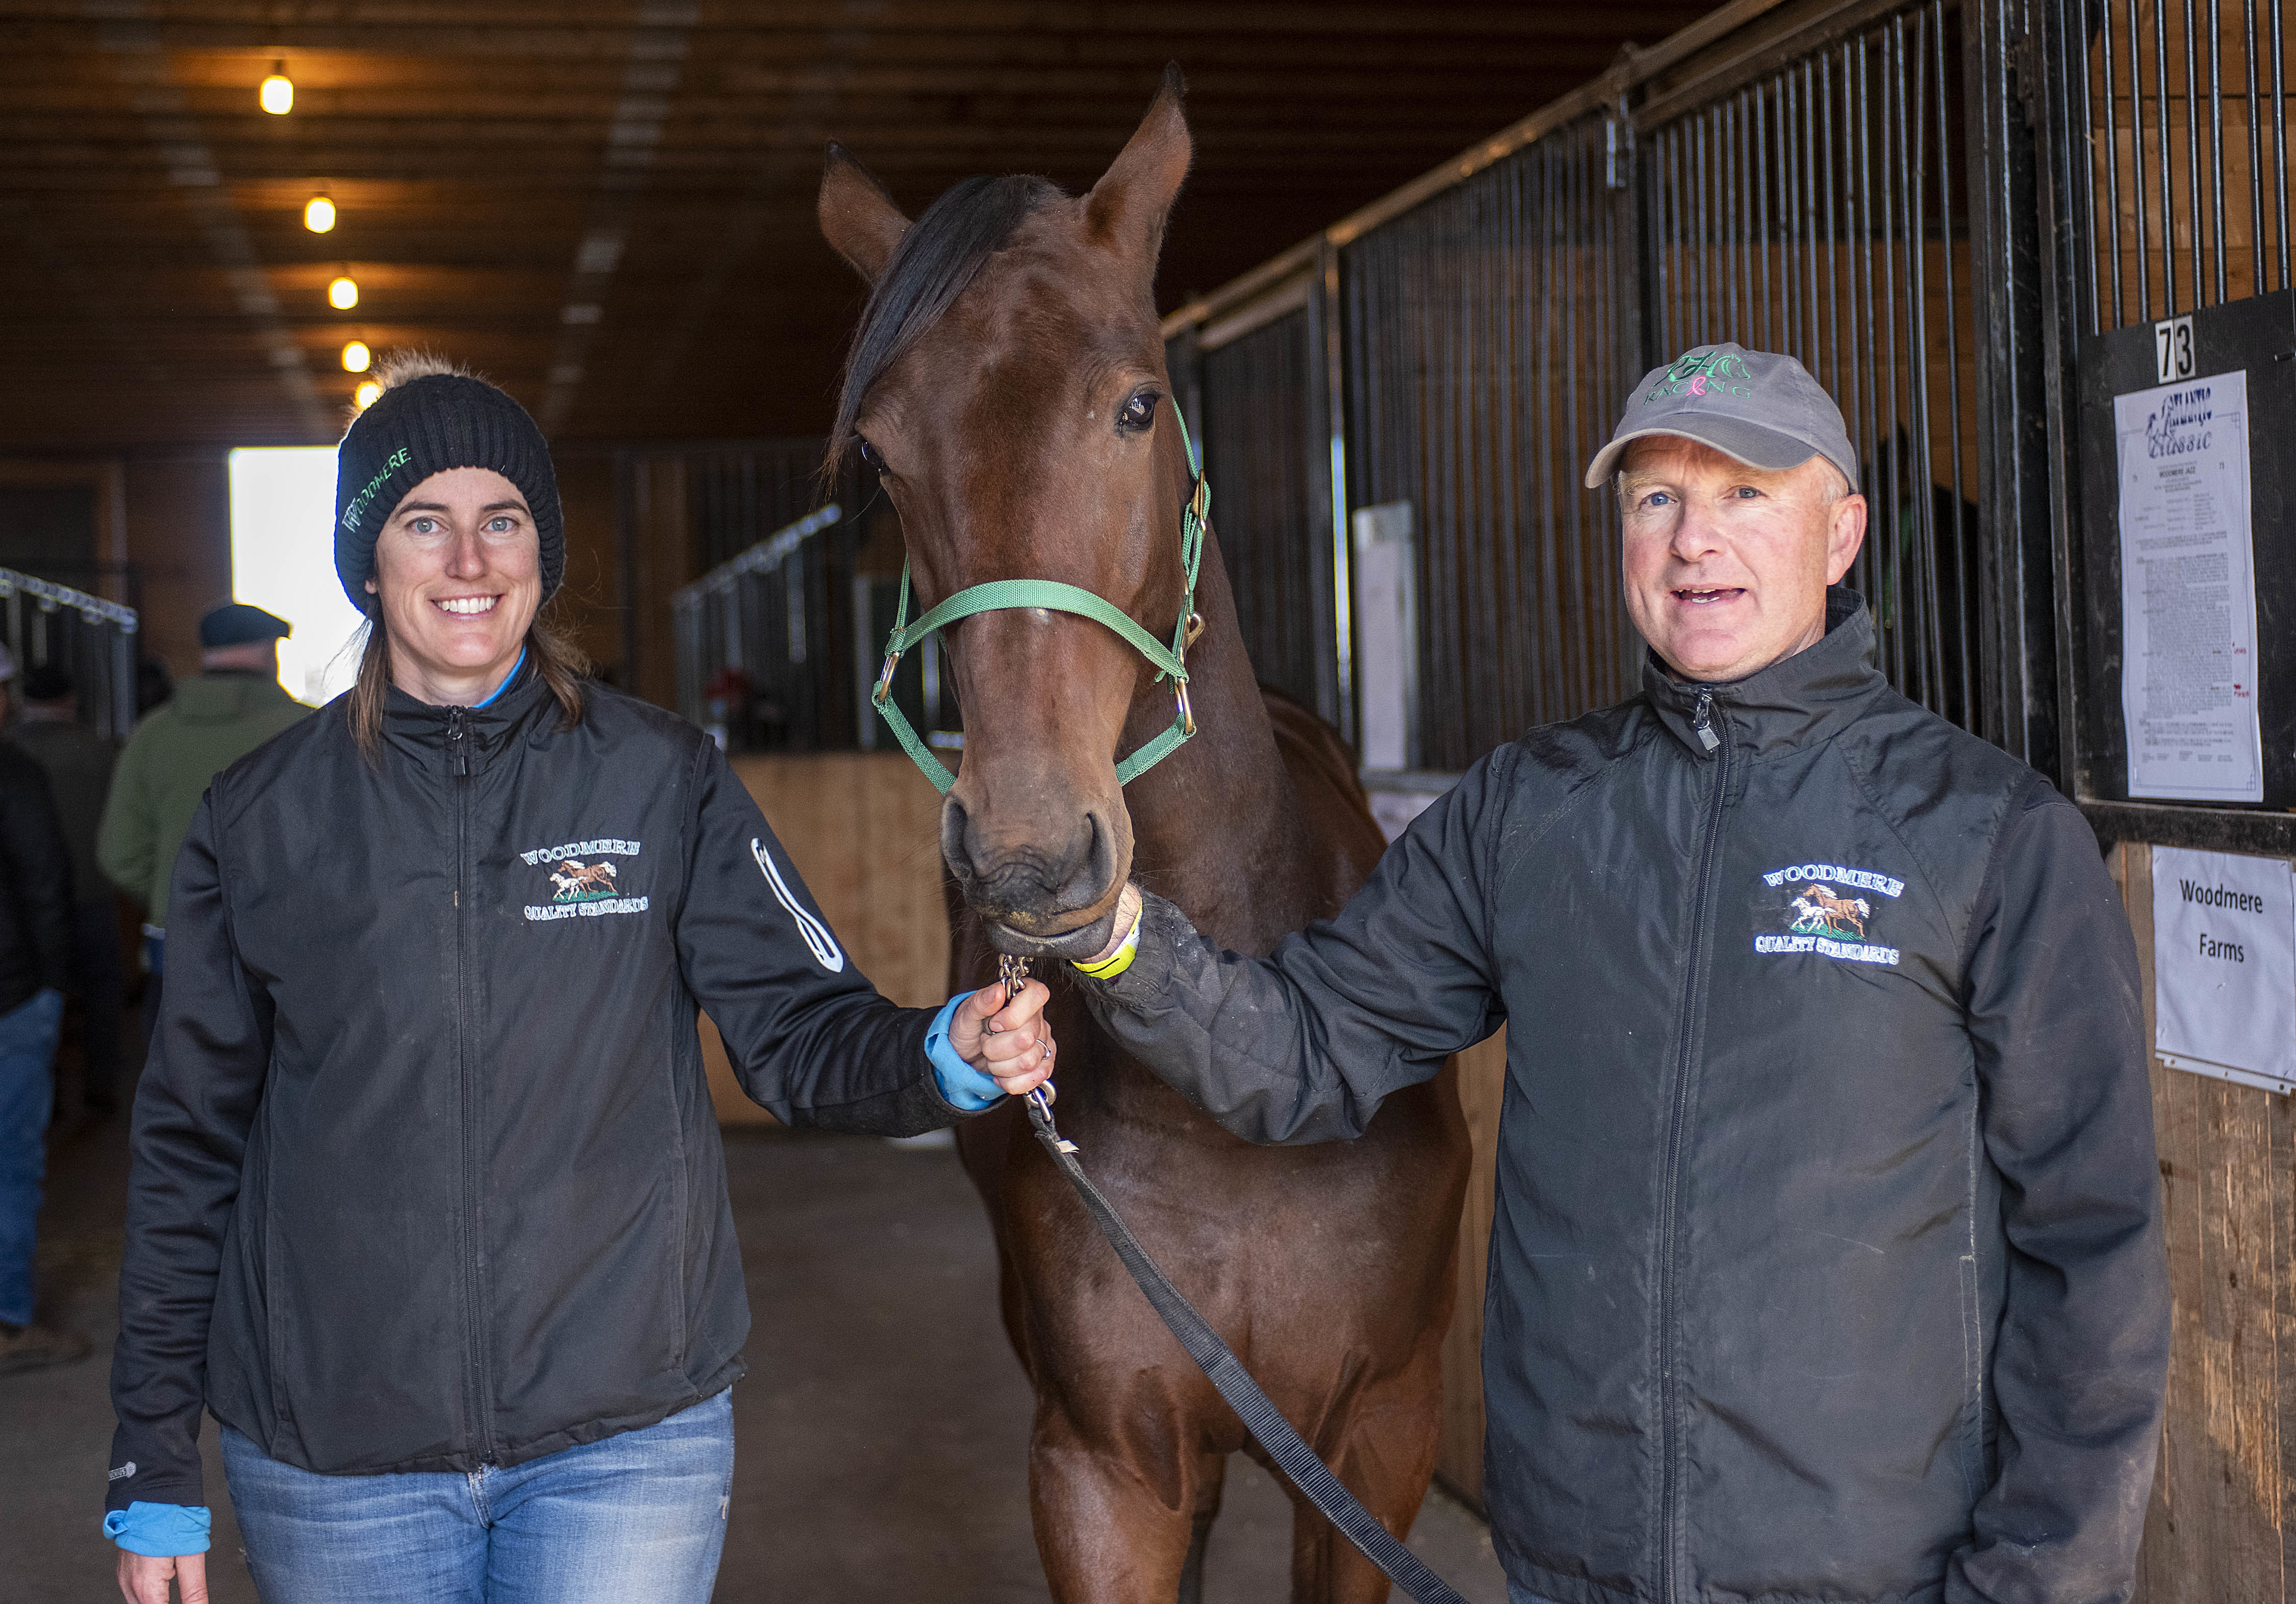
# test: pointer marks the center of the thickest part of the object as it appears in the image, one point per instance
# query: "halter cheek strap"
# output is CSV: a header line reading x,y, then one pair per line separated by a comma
x,y
1170,661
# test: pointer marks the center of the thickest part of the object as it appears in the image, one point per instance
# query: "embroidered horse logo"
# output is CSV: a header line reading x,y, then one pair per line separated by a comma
x,y
1818,911
579,882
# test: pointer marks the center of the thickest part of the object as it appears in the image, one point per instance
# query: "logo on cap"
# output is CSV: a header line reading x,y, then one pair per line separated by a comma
x,y
1704,372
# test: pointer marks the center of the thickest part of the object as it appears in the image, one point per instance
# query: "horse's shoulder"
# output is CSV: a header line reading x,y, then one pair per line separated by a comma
x,y
1322,769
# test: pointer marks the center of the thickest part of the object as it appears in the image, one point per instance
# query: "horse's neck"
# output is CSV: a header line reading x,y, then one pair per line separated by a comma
x,y
1215,826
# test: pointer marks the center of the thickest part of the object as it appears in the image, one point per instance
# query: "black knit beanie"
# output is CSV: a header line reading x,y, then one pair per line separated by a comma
x,y
426,424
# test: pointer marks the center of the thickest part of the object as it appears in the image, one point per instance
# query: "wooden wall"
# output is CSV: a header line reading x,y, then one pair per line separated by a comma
x,y
864,829
1459,1460
2220,1509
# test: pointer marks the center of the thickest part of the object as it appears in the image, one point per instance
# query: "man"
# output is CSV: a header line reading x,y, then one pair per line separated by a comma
x,y
35,945
78,764
234,705
1827,1261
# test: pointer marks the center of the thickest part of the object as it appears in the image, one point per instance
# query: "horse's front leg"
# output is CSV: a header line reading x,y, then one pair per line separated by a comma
x,y
1115,1516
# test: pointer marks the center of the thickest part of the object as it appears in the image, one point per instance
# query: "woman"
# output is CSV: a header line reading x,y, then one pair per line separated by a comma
x,y
428,1207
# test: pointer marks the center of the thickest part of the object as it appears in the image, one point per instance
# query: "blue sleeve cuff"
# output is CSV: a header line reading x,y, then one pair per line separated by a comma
x,y
160,1531
963,1085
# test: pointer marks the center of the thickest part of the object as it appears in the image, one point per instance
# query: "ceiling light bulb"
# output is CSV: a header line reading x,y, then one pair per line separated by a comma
x,y
343,294
278,92
367,394
318,214
356,357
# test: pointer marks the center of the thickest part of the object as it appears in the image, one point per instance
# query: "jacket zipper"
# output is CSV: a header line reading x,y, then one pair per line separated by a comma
x,y
458,770
1702,720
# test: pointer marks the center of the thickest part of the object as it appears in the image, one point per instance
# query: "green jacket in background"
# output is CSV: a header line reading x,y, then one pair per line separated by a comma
x,y
210,723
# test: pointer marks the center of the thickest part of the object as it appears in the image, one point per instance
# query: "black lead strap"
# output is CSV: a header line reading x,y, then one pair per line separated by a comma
x,y
1219,1362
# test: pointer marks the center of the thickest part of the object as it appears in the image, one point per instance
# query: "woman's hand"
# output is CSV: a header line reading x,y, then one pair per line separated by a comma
x,y
143,1579
1008,1041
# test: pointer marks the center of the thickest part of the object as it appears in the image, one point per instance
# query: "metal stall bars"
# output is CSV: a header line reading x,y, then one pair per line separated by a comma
x,y
1248,383
751,648
2159,158
92,638
682,509
1809,197
1793,178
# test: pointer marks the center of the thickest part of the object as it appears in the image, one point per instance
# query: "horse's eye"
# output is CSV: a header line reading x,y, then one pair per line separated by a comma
x,y
1137,413
869,453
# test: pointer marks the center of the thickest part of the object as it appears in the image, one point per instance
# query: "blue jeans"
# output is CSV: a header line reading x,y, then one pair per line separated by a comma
x,y
641,1515
28,1095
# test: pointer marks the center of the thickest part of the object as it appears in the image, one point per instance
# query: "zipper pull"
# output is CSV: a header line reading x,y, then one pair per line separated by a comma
x,y
458,753
1702,719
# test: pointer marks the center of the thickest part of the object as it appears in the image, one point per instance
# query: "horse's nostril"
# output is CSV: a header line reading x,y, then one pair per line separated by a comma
x,y
955,830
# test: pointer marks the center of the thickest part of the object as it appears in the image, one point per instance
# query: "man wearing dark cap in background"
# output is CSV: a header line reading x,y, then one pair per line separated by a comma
x,y
234,705
79,763
1827,1259
35,946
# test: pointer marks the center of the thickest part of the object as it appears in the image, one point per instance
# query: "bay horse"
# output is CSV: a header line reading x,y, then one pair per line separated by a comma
x,y
1007,383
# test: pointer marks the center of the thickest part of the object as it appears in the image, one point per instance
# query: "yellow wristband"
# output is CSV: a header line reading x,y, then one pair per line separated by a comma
x,y
1117,962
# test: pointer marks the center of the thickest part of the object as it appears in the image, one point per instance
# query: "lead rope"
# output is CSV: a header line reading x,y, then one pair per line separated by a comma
x,y
1218,1362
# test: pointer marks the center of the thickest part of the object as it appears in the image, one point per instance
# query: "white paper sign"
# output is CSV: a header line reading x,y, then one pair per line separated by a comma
x,y
2188,592
2223,966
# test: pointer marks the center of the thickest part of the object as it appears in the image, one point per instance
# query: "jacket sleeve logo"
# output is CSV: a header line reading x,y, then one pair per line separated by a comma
x,y
1823,912
825,950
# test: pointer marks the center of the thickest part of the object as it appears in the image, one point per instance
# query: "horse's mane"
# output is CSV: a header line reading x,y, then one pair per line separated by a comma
x,y
936,259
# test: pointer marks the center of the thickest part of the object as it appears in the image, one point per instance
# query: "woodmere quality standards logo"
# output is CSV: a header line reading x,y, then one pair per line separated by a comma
x,y
1826,908
585,879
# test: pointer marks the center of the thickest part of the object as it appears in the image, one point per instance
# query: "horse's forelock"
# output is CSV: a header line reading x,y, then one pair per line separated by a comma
x,y
937,257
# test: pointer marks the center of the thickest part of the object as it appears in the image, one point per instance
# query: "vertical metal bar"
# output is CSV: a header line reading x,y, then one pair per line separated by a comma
x,y
1335,402
1762,217
1832,232
2112,169
2255,153
1806,222
1915,154
1856,105
2216,134
1723,242
2279,144
1891,444
2160,91
1731,163
2137,165
2192,197
1964,583
1701,236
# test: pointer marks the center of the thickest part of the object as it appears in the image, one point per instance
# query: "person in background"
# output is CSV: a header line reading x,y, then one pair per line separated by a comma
x,y
234,705
1827,1260
79,763
35,955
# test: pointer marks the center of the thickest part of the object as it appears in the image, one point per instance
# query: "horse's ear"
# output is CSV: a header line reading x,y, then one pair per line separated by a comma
x,y
1127,207
857,217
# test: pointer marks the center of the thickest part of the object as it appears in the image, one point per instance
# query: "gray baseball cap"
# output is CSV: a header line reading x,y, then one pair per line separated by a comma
x,y
1758,406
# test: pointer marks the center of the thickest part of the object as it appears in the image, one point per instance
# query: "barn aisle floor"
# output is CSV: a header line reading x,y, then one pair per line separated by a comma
x,y
881,1428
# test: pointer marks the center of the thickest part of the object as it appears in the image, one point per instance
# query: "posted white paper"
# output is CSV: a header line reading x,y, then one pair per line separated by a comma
x,y
2223,966
2188,592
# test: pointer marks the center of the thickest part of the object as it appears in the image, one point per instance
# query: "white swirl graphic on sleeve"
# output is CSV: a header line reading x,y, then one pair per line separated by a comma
x,y
825,950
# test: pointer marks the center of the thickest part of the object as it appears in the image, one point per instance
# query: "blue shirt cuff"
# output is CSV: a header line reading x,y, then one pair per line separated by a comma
x,y
160,1531
963,1085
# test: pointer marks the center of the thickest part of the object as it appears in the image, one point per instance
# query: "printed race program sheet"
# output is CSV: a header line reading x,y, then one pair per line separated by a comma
x,y
2188,592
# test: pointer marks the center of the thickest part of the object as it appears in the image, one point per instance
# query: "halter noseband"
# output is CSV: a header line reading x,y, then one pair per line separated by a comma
x,y
997,594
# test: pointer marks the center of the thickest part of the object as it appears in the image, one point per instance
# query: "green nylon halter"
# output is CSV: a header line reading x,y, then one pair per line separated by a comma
x,y
996,595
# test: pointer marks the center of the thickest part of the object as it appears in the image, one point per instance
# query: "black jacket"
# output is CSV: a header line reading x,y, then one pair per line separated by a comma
x,y
425,1174
1827,1261
35,902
